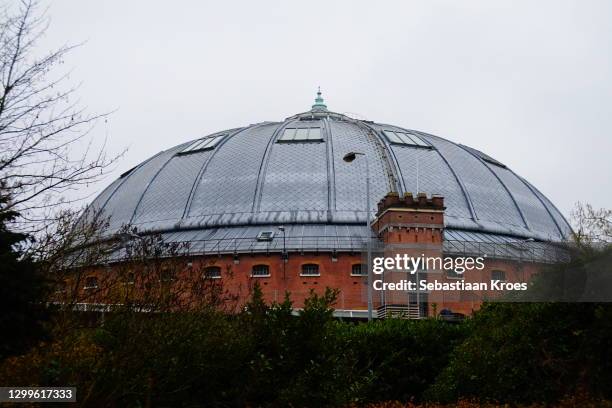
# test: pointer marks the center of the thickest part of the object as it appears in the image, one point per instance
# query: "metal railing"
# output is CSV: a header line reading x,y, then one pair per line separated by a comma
x,y
542,252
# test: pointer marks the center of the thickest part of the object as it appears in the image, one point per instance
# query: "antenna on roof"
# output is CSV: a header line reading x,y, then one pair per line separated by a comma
x,y
417,174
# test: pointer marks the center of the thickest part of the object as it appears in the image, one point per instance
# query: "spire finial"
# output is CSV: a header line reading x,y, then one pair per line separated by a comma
x,y
319,104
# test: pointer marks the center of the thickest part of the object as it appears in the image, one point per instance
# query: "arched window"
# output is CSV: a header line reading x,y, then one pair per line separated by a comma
x,y
91,282
260,270
498,275
310,270
212,272
358,270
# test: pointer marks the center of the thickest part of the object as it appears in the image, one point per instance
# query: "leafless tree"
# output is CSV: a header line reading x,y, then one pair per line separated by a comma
x,y
46,147
591,225
92,270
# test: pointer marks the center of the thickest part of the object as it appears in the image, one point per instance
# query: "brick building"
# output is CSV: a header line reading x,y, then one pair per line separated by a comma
x,y
274,202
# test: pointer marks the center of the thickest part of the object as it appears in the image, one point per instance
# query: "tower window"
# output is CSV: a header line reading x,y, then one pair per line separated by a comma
x,y
358,270
498,275
312,134
260,270
212,272
405,138
310,270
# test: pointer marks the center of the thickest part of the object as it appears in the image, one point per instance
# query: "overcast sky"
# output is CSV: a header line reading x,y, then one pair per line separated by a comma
x,y
527,82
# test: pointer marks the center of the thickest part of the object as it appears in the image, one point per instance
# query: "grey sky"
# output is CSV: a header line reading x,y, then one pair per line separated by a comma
x,y
529,83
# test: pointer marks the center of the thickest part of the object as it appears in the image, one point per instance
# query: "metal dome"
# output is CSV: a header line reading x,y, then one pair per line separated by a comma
x,y
236,183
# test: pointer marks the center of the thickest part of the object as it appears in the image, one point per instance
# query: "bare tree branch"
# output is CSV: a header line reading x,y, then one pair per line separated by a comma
x,y
46,147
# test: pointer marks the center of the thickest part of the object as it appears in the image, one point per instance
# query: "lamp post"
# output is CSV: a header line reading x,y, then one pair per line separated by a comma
x,y
522,249
350,157
284,257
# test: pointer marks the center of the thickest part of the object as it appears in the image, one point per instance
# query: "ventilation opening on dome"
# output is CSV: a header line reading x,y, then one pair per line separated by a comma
x,y
265,236
312,134
483,156
202,144
404,138
309,119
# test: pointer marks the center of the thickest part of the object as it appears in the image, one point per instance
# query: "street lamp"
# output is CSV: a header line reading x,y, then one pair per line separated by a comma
x,y
350,157
284,257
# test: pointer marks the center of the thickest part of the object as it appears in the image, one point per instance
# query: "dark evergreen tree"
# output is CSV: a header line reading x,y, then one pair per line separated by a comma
x,y
22,290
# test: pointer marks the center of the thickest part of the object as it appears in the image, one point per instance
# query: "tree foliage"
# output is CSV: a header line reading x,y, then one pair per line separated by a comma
x,y
22,290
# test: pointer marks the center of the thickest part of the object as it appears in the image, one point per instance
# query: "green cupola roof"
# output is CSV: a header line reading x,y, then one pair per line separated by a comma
x,y
319,104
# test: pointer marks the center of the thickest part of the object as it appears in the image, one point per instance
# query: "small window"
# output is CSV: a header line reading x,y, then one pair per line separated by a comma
x,y
61,287
166,275
91,282
212,272
454,275
265,236
483,156
130,278
260,270
312,134
358,270
404,138
310,270
498,275
122,175
202,144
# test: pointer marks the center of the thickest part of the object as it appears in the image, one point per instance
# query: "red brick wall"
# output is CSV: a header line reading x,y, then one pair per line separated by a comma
x,y
237,279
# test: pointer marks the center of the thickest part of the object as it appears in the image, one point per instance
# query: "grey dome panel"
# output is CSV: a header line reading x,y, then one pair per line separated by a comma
x,y
249,181
350,178
434,177
490,199
122,203
165,199
229,182
295,178
557,216
535,213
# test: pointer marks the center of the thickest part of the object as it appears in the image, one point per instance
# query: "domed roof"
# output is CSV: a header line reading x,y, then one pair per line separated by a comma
x,y
292,173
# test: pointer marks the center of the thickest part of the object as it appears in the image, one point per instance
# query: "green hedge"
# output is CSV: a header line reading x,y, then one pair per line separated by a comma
x,y
265,356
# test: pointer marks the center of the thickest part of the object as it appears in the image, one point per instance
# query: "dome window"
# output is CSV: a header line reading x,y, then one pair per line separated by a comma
x,y
483,156
127,173
405,138
312,134
202,144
